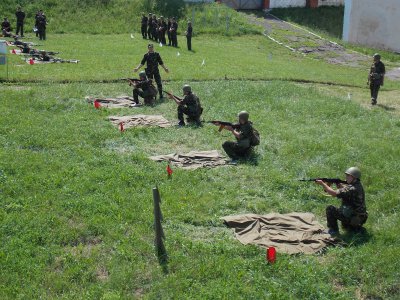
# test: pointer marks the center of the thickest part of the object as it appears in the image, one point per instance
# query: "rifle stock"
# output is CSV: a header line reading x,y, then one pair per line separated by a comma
x,y
324,179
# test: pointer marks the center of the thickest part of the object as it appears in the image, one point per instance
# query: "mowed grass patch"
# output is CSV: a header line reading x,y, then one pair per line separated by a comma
x,y
109,57
76,205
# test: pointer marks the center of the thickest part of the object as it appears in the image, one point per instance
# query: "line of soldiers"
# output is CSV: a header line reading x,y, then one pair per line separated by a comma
x,y
156,28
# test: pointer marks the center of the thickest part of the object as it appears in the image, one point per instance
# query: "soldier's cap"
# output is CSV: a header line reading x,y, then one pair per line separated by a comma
x,y
150,46
189,22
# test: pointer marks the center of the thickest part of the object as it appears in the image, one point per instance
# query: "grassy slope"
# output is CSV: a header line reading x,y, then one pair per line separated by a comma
x,y
76,193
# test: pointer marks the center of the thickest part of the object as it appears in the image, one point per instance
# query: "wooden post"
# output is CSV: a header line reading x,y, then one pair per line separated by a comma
x,y
161,251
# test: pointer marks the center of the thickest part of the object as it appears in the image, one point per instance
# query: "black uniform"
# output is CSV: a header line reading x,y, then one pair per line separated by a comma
x,y
353,211
150,27
41,26
191,107
153,59
241,148
161,32
144,27
155,30
146,90
189,33
174,38
169,32
20,22
376,74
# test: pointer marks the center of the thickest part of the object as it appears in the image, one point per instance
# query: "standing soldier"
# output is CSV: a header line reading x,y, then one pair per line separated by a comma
x,y
189,105
161,30
173,30
168,31
375,77
143,88
243,132
150,26
20,21
189,33
37,23
353,211
42,22
154,27
153,59
144,26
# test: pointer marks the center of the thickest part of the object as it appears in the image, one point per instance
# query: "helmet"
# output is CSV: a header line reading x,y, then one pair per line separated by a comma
x,y
142,74
377,56
354,171
187,88
244,115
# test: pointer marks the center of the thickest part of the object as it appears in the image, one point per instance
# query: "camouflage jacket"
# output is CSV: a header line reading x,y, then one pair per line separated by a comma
x,y
192,102
377,72
353,196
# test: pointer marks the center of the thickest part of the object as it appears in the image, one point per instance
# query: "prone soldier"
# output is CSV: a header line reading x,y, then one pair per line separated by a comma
x,y
353,211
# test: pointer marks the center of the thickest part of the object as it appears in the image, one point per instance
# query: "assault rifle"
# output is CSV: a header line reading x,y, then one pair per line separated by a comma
x,y
222,124
131,80
324,179
172,95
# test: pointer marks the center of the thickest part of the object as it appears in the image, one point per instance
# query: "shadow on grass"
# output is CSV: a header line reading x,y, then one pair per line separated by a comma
x,y
251,159
385,107
354,239
163,259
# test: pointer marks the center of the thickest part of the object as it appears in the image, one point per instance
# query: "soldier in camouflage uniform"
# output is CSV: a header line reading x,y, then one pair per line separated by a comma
x,y
153,59
375,77
143,88
189,105
243,134
353,211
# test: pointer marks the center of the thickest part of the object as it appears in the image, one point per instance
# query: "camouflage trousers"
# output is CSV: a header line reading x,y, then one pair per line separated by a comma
x,y
148,99
182,110
236,150
374,87
333,214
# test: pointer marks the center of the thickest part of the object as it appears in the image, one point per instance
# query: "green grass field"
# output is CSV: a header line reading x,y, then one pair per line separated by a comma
x,y
76,194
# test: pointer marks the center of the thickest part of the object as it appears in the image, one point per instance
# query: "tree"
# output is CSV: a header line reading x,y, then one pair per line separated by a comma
x,y
170,8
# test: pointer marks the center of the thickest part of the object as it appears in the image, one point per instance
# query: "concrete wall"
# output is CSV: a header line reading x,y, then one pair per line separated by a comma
x,y
330,2
374,23
301,3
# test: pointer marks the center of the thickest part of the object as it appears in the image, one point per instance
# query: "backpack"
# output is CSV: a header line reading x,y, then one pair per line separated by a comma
x,y
255,138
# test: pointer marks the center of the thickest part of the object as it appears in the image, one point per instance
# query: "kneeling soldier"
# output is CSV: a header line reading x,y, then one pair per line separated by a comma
x,y
243,132
143,88
190,106
353,211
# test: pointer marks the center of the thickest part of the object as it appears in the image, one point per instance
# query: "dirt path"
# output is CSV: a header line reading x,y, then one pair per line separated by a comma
x,y
310,44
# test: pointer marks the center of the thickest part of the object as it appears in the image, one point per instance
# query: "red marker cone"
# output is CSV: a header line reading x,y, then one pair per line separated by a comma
x,y
96,104
271,255
31,62
121,126
169,171
13,51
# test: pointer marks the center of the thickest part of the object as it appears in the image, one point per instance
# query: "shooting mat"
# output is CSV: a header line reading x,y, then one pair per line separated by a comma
x,y
289,233
140,121
117,102
193,159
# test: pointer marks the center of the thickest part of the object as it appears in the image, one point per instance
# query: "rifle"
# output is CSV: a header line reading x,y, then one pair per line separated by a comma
x,y
327,180
172,95
222,124
131,80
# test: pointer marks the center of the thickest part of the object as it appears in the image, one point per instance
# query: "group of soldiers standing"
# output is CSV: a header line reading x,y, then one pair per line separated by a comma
x,y
157,29
40,24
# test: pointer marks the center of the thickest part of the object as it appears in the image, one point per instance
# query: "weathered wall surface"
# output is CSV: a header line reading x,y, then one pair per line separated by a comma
x,y
374,23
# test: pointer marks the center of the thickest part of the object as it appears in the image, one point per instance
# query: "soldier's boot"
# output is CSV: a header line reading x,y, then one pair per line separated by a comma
x,y
373,101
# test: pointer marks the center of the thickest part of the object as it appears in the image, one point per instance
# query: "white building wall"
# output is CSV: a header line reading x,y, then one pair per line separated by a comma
x,y
374,23
330,2
287,3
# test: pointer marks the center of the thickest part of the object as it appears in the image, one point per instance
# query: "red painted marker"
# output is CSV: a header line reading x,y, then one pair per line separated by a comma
x,y
13,51
271,255
121,126
96,104
169,171
31,62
